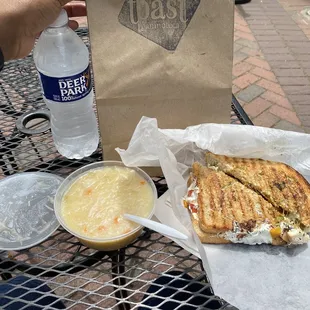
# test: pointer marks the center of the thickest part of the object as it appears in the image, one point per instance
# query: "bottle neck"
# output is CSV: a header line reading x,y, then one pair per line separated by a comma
x,y
56,30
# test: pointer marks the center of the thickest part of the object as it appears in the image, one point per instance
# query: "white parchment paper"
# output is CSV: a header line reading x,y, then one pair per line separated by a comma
x,y
249,277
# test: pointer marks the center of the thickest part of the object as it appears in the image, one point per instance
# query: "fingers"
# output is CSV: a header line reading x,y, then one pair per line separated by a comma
x,y
76,9
73,24
64,2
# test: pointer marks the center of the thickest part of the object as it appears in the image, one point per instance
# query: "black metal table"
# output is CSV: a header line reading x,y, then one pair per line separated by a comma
x,y
83,278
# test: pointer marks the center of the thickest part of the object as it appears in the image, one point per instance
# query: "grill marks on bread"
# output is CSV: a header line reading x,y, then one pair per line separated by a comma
x,y
278,183
223,201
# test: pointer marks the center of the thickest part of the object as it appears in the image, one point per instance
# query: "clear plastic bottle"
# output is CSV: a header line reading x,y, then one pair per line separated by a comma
x,y
62,60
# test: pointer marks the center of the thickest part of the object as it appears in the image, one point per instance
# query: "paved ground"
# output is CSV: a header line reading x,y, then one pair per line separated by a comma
x,y
271,73
272,63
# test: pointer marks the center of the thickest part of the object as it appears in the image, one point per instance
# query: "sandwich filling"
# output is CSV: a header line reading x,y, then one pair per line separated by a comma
x,y
190,201
292,233
252,233
260,234
265,232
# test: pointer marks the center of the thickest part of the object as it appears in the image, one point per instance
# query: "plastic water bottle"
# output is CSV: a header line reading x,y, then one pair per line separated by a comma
x,y
62,61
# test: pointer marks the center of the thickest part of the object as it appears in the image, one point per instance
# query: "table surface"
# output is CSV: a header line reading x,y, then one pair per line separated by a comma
x,y
83,278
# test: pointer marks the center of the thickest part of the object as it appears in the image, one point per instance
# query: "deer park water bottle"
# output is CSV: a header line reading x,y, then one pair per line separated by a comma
x,y
62,61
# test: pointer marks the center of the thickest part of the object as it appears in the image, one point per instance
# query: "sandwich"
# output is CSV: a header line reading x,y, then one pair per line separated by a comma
x,y
224,210
278,183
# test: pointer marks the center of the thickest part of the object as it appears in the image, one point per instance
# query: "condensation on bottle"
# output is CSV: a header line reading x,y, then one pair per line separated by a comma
x,y
62,61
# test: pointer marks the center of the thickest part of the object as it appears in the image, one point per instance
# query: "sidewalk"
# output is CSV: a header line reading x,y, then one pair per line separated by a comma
x,y
272,62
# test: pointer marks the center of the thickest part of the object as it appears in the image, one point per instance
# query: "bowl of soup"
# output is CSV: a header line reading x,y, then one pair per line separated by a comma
x,y
91,201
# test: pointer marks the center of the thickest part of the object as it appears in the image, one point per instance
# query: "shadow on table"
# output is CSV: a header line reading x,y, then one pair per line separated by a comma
x,y
22,291
167,292
289,251
173,288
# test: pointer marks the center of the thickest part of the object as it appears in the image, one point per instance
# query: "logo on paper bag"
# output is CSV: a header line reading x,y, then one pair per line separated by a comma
x,y
161,21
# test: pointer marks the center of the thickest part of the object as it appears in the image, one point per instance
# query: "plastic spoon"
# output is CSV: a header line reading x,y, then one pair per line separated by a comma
x,y
161,228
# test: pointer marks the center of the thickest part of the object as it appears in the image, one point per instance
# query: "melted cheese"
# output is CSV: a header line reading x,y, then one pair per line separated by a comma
x,y
93,206
259,235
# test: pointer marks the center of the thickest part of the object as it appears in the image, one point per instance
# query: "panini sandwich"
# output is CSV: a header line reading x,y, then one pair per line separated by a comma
x,y
278,183
224,210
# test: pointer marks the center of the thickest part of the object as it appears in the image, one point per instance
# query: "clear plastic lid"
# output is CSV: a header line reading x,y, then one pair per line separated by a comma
x,y
61,21
26,209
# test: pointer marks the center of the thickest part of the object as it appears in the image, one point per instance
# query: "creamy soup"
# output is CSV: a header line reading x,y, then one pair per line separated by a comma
x,y
95,203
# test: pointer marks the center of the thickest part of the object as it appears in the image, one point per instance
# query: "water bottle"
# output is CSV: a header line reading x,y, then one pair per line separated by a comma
x,y
62,61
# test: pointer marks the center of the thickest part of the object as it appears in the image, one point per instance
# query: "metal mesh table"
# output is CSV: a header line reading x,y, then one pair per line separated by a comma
x,y
83,278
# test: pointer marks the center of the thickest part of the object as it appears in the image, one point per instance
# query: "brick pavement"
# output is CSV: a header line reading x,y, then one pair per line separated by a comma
x,y
272,63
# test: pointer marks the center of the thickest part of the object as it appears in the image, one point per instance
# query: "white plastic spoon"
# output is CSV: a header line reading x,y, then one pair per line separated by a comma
x,y
161,228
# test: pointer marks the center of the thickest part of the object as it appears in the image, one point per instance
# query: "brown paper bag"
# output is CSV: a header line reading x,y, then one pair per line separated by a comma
x,y
168,59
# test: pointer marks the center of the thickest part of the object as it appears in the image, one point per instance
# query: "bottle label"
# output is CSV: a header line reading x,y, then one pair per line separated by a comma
x,y
66,89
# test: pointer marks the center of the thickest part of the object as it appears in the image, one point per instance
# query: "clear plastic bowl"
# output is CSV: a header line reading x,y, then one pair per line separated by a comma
x,y
103,244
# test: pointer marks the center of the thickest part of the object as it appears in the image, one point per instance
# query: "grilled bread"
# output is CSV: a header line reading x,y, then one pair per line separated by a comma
x,y
207,237
226,201
224,210
280,184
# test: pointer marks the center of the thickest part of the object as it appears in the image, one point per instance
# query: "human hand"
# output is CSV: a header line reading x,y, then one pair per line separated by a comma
x,y
21,21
